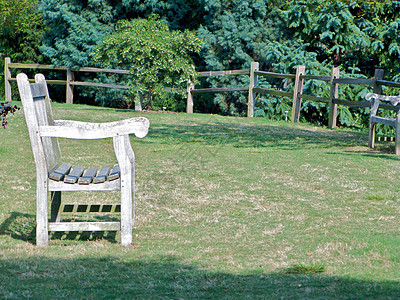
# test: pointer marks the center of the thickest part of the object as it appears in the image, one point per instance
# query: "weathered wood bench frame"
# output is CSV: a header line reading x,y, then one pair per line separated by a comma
x,y
374,119
55,177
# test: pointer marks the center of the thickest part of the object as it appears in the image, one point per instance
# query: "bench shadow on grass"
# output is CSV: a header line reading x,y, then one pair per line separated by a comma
x,y
169,278
248,135
22,227
385,152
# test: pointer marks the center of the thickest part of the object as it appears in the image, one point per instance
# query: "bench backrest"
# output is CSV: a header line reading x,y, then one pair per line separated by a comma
x,y
37,109
394,100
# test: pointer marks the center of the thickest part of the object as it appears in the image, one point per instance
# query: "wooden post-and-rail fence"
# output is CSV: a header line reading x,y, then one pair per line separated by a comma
x,y
69,82
253,89
297,94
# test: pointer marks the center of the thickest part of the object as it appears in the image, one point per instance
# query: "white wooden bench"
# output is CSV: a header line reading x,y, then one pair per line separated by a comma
x,y
374,119
55,176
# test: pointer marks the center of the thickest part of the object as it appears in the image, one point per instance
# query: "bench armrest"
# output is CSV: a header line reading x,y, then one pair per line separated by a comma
x,y
394,100
85,130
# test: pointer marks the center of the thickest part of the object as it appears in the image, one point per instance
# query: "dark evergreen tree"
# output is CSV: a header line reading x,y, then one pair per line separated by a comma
x,y
355,35
75,28
235,33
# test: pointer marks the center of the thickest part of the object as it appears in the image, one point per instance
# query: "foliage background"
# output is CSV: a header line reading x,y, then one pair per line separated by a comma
x,y
355,35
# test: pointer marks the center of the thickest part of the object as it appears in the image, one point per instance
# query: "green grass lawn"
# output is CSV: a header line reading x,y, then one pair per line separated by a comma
x,y
226,207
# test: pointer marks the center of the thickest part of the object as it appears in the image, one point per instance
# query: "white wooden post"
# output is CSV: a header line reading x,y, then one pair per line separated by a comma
x,y
253,83
121,146
374,109
189,102
70,88
138,102
42,235
298,90
334,94
7,77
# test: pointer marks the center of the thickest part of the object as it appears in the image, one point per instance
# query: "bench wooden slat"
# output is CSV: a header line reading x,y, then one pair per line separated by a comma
x,y
115,173
384,121
102,175
114,185
75,173
59,173
38,91
84,226
88,176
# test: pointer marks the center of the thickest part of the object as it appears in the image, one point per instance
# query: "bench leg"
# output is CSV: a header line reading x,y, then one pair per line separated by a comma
x,y
121,148
131,156
397,142
55,215
371,135
42,231
126,211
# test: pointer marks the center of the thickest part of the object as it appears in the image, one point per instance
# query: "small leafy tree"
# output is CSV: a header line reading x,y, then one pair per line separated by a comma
x,y
21,31
158,58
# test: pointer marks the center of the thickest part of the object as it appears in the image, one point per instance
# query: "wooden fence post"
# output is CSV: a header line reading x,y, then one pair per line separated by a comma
x,y
377,90
298,90
70,88
334,94
253,83
7,77
189,102
139,102
378,76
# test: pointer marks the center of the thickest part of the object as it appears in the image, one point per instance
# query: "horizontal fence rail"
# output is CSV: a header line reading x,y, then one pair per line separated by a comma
x,y
224,73
192,90
388,83
316,77
253,89
69,82
220,90
273,92
274,75
314,98
83,69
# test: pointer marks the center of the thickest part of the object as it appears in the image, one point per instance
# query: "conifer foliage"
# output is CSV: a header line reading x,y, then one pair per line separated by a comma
x,y
74,29
357,36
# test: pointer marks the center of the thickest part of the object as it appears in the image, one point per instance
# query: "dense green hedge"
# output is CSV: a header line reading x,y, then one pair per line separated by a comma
x,y
358,36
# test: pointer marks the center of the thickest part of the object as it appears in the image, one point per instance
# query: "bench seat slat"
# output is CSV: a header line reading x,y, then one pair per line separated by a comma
x,y
75,173
115,173
88,176
59,173
102,175
65,173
